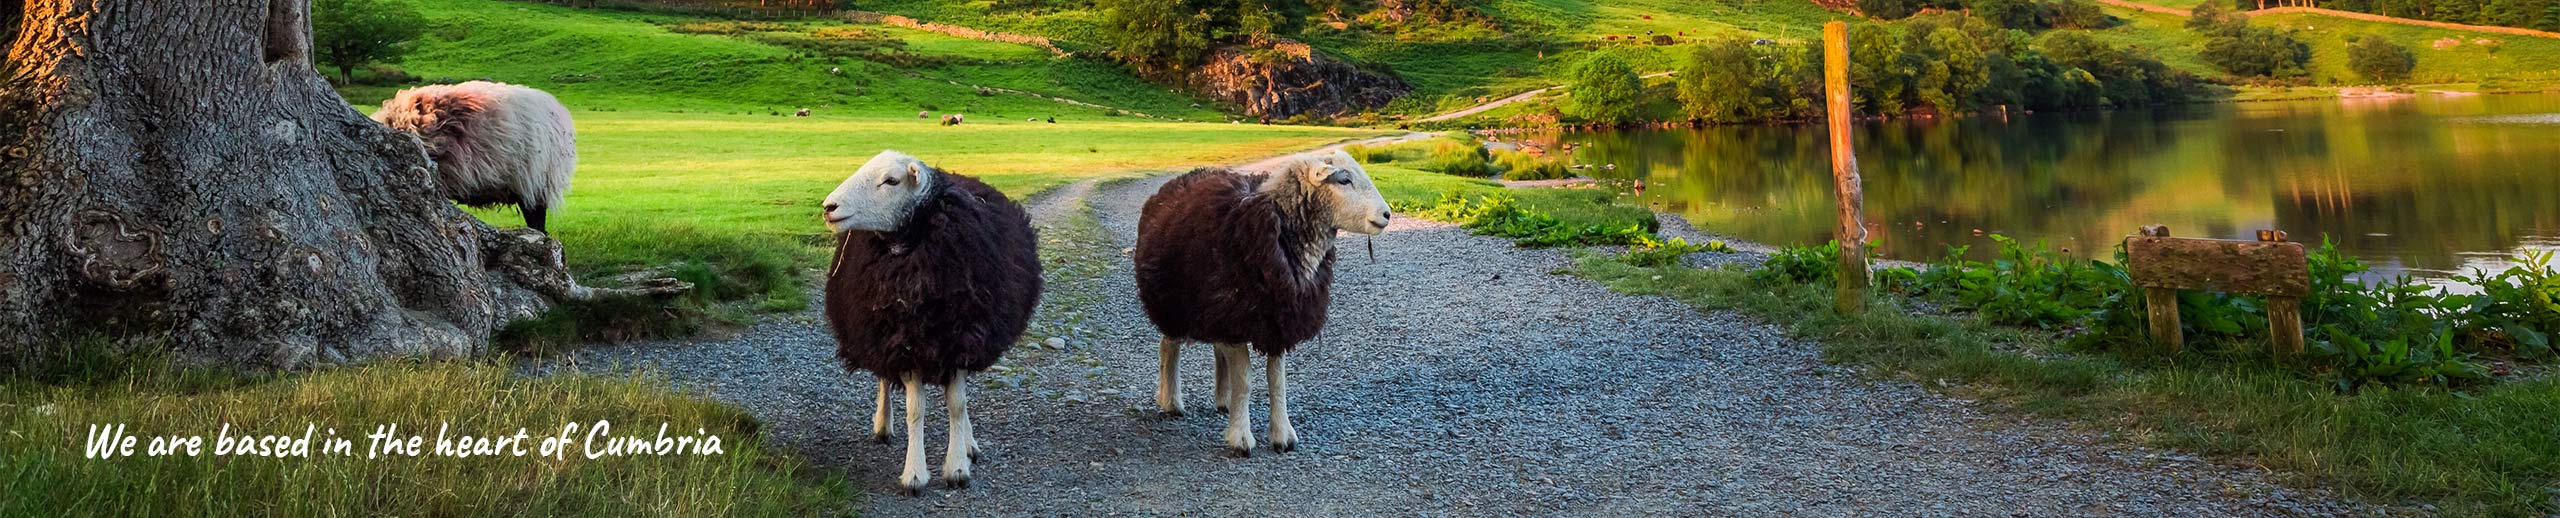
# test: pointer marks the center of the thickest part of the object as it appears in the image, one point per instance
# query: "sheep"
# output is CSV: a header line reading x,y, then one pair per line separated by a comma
x,y
1208,271
493,143
952,119
935,277
804,112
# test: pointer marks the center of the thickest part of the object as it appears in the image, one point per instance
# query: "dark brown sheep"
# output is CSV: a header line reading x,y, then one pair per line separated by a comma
x,y
1235,259
935,277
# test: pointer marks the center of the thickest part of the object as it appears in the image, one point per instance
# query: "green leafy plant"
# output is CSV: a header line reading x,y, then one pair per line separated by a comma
x,y
2427,358
1800,264
1501,215
1649,252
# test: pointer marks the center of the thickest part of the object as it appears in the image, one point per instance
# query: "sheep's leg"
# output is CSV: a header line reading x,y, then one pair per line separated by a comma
x,y
956,456
1239,416
1283,437
533,218
880,414
1218,394
913,478
1168,387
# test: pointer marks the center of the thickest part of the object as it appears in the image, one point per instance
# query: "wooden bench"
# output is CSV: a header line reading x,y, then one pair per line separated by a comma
x,y
2270,266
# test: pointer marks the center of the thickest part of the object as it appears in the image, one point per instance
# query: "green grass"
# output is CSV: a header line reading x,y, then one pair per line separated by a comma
x,y
2486,451
601,59
2515,58
686,169
46,417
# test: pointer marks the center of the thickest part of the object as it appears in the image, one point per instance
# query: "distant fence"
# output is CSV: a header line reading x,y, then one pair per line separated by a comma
x,y
954,30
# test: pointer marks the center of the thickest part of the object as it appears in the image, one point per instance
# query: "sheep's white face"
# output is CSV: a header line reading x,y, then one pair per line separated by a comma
x,y
881,195
1357,206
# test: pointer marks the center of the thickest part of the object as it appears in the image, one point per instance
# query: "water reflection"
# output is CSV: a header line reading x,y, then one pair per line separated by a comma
x,y
2427,184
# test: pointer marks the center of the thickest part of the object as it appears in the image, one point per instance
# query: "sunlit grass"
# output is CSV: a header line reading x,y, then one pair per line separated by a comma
x,y
46,416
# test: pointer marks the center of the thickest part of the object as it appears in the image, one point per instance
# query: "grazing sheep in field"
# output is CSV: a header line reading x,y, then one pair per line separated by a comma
x,y
804,112
1231,259
935,276
951,120
493,143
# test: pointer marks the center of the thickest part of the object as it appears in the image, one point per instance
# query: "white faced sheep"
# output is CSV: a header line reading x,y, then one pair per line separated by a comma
x,y
1232,259
935,276
493,143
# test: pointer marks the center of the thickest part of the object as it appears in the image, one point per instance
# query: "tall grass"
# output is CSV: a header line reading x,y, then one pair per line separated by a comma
x,y
47,415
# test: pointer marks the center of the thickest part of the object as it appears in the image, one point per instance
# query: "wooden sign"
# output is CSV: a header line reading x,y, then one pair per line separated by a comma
x,y
2270,266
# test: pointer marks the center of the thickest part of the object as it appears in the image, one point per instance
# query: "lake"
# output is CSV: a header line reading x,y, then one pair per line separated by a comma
x,y
2427,185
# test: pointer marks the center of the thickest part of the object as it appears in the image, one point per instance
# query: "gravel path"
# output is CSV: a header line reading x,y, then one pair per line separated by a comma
x,y
1458,377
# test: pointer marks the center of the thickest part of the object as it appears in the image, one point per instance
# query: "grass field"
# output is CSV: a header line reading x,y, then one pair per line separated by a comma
x,y
2512,58
596,59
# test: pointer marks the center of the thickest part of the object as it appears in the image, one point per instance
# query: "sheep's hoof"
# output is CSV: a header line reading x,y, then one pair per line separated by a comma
x,y
880,438
1222,409
1240,453
1174,413
955,483
910,491
975,456
1283,447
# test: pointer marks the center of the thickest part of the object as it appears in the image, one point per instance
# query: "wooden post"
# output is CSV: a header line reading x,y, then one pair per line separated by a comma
x,y
1852,231
2162,305
2284,313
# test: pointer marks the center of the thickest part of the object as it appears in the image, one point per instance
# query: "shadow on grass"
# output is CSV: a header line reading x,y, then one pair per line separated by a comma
x,y
735,278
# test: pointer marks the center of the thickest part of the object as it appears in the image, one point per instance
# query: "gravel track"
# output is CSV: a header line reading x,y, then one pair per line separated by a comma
x,y
1457,377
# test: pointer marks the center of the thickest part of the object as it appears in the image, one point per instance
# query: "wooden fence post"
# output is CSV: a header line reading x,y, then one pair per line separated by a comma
x,y
2284,314
2162,305
1851,296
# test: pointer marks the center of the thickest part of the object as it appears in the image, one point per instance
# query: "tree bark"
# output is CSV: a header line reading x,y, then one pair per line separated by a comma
x,y
178,173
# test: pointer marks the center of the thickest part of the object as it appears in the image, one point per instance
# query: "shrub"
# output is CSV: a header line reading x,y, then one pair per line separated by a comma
x,y
1800,265
1521,166
1605,90
1501,215
1462,157
2380,60
2257,51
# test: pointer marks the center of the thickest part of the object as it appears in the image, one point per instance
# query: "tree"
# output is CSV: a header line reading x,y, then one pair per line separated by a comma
x,y
1879,68
2380,60
181,176
1716,83
1160,37
2215,19
2257,51
1889,9
1605,90
2550,17
351,33
1966,74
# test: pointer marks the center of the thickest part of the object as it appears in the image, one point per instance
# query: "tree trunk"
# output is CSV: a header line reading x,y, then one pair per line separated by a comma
x,y
178,173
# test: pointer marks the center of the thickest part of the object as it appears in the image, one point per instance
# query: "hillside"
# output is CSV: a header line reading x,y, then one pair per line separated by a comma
x,y
603,59
606,59
2510,58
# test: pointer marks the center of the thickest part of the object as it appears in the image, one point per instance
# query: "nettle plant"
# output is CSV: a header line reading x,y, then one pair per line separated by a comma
x,y
2394,332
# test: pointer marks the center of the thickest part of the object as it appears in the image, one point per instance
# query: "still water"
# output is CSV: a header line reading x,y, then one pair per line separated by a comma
x,y
2427,185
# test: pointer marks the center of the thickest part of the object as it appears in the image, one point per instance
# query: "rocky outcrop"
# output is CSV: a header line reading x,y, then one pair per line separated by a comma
x,y
1286,78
